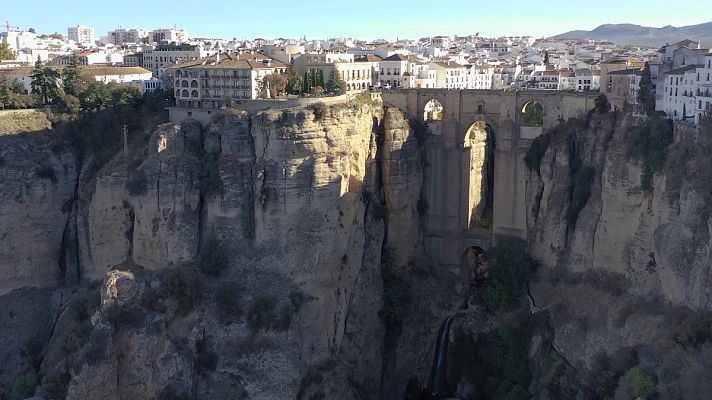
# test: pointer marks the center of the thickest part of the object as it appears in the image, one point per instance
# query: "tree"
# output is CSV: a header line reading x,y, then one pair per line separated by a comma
x,y
275,83
295,85
72,81
32,30
646,100
336,85
546,58
305,82
602,104
44,82
6,52
57,35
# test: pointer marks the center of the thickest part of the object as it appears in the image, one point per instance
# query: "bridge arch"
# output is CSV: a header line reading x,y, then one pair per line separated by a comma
x,y
533,113
433,111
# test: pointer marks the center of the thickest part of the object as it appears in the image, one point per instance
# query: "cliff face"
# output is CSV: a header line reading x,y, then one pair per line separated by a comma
x,y
295,198
38,176
659,241
625,275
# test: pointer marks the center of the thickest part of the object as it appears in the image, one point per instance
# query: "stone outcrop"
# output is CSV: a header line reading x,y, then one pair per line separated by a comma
x,y
297,200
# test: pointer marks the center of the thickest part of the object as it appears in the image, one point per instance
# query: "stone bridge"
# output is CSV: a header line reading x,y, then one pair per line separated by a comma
x,y
475,177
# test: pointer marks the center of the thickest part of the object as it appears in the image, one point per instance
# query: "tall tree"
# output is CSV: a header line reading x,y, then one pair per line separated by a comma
x,y
646,99
306,83
295,85
6,52
44,82
72,81
546,58
335,85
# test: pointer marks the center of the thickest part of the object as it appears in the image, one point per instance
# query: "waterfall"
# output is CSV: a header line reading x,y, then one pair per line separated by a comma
x,y
437,381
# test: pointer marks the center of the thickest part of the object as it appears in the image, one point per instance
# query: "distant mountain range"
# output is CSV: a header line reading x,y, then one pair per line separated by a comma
x,y
636,35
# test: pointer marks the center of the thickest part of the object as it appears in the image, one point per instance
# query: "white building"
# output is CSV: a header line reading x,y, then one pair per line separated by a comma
x,y
703,93
163,56
222,80
123,36
19,40
167,35
123,75
82,35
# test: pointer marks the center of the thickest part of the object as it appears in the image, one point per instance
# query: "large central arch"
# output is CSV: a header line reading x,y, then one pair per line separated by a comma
x,y
478,163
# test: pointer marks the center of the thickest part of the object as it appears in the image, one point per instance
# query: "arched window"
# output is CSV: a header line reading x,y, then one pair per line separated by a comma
x,y
177,92
178,74
194,93
433,111
177,82
194,83
533,114
480,108
184,83
184,93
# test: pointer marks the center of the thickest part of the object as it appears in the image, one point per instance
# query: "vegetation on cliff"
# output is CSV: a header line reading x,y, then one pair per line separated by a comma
x,y
648,142
509,268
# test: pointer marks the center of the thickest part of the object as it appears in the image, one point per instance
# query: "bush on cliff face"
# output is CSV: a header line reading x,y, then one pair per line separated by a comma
x,y
536,152
648,143
183,287
261,313
395,298
229,303
212,260
508,275
497,363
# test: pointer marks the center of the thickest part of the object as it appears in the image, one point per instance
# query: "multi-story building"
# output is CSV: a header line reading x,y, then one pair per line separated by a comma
x,y
703,92
167,35
122,36
391,70
82,35
221,80
356,74
623,87
163,56
19,40
285,53
133,60
91,58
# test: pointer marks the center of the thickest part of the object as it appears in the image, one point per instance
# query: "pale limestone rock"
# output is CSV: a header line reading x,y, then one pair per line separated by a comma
x,y
38,175
120,289
402,170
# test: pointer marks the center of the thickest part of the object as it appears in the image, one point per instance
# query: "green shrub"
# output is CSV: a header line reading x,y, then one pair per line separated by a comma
x,y
641,383
284,318
396,296
602,105
228,302
31,352
536,152
24,386
47,172
210,180
206,360
137,183
297,297
580,192
183,287
54,385
212,260
261,313
497,363
319,110
505,286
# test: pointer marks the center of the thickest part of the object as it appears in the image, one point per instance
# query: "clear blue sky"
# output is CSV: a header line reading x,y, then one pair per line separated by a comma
x,y
369,19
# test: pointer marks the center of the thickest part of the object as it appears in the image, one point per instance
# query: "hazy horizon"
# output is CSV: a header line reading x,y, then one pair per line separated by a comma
x,y
367,19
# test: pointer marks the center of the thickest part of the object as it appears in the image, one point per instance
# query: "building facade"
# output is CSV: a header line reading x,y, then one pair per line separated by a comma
x,y
82,35
163,56
221,80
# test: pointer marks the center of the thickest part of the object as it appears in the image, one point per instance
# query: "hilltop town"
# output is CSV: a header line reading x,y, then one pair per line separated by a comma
x,y
678,74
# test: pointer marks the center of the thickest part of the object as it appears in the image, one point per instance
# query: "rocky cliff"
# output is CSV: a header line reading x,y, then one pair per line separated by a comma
x,y
294,200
